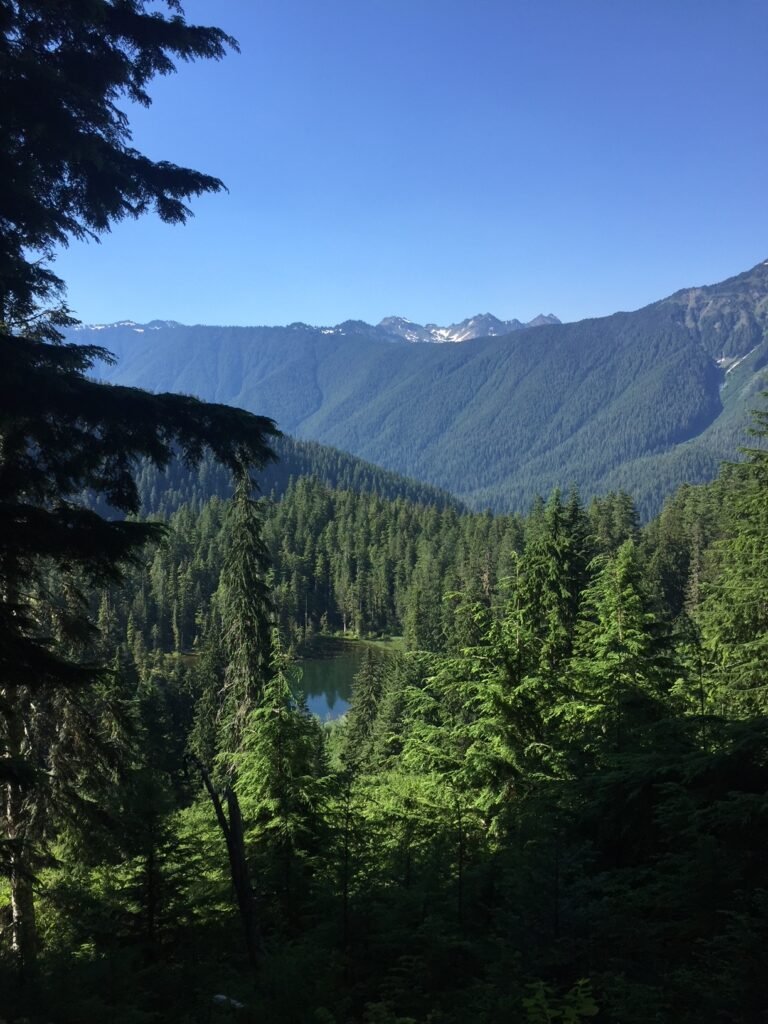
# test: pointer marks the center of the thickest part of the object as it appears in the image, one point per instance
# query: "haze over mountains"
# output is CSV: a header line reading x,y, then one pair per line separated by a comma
x,y
642,400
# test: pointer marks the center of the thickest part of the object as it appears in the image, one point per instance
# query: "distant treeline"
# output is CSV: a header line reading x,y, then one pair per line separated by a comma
x,y
163,492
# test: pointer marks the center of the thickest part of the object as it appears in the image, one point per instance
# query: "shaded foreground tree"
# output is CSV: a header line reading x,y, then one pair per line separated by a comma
x,y
68,170
66,161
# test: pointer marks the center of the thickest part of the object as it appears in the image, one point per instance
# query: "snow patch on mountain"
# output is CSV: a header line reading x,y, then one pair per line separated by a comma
x,y
390,329
483,325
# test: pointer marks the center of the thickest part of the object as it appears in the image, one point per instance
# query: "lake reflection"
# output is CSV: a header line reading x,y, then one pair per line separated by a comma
x,y
327,680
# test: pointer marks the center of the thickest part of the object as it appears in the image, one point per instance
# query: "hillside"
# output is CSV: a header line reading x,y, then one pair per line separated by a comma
x,y
641,400
163,492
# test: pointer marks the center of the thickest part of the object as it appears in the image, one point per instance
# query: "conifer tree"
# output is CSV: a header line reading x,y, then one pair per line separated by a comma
x,y
734,613
69,171
245,612
554,571
279,782
623,668
360,720
422,619
232,690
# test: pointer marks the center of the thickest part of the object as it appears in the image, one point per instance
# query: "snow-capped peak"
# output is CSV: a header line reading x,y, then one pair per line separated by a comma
x,y
482,325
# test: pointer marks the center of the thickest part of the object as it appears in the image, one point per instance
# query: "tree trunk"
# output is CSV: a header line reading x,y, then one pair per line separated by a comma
x,y
232,830
241,880
345,863
460,866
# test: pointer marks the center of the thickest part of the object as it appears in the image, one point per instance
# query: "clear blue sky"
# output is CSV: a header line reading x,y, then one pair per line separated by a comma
x,y
440,158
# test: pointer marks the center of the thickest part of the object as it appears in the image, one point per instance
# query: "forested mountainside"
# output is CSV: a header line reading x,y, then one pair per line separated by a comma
x,y
545,797
643,401
162,492
550,807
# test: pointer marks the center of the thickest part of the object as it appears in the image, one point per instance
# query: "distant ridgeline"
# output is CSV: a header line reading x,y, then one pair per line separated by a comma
x,y
164,492
642,401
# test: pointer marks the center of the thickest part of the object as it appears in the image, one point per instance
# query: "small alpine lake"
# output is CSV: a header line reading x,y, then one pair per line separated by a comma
x,y
328,666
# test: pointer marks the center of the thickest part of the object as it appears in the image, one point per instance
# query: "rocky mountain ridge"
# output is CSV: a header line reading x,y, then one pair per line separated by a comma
x,y
483,325
391,328
642,400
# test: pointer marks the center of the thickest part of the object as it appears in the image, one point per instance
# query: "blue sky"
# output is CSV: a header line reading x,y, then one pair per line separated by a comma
x,y
440,158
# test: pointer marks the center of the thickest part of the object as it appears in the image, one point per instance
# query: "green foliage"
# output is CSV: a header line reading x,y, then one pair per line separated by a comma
x,y
553,810
565,777
734,609
163,492
69,171
279,768
245,612
623,668
366,695
542,1007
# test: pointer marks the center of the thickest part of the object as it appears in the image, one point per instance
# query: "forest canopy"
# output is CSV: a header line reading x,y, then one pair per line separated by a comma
x,y
547,800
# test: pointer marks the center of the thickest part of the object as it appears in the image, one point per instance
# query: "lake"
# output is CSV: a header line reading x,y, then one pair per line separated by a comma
x,y
328,673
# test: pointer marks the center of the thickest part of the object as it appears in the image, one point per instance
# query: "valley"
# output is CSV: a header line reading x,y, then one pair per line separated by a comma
x,y
395,672
640,401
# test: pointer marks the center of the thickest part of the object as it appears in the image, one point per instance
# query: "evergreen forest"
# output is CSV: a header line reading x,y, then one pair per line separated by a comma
x,y
547,800
547,803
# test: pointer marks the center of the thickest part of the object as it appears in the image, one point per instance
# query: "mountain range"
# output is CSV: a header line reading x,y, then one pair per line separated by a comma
x,y
484,325
639,400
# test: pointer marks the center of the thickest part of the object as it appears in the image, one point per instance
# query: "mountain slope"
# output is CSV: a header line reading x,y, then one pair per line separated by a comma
x,y
162,492
643,400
